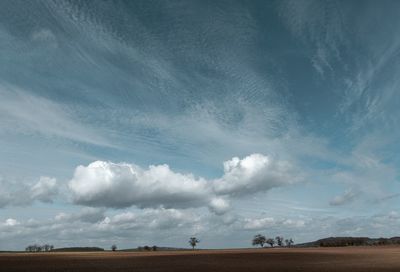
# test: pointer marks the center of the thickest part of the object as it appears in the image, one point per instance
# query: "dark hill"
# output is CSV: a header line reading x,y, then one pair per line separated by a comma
x,y
78,249
351,241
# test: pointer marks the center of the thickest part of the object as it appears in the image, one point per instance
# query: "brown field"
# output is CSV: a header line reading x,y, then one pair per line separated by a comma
x,y
352,259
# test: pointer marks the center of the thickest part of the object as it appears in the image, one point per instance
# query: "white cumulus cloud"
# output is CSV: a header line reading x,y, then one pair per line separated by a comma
x,y
122,185
11,222
118,185
252,174
45,189
219,206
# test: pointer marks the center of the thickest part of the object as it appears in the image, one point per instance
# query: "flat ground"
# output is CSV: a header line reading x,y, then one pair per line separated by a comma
x,y
352,259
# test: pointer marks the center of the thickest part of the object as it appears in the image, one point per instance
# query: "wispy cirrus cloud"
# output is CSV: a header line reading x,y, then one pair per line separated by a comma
x,y
24,113
184,86
319,24
347,197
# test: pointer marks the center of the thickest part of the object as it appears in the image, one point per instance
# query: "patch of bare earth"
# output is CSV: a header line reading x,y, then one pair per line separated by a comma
x,y
352,259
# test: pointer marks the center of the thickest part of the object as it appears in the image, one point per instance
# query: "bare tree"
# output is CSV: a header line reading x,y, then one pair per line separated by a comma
x,y
38,248
279,240
114,247
31,248
193,241
289,242
271,242
259,240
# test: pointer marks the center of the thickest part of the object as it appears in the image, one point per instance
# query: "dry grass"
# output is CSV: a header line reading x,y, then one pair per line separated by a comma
x,y
352,259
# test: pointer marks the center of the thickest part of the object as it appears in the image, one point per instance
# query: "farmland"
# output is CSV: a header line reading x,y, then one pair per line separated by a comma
x,y
354,259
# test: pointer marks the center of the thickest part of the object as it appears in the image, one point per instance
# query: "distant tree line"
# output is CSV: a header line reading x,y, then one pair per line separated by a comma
x,y
39,248
356,241
139,248
147,248
261,240
78,249
350,241
193,241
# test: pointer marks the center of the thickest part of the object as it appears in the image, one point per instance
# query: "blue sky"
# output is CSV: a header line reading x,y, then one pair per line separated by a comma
x,y
146,122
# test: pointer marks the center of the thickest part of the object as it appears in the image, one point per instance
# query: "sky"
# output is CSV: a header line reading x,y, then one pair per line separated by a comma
x,y
148,122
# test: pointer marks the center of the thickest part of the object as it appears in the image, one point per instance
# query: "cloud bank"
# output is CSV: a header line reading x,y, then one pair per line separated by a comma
x,y
45,190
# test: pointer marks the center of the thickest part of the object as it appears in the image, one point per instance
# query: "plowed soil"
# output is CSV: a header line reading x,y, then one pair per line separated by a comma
x,y
352,259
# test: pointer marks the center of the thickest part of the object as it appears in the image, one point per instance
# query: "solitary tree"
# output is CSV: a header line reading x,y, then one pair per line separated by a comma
x,y
271,242
114,247
289,242
193,241
259,240
279,240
